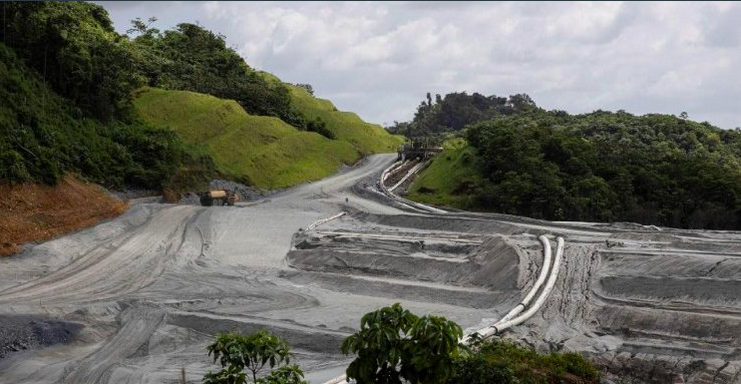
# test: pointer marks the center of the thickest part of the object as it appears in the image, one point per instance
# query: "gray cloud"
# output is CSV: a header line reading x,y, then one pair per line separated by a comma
x,y
379,59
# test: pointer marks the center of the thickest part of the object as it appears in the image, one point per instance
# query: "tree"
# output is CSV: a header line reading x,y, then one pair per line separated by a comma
x,y
307,87
192,58
237,353
75,49
394,344
456,110
521,102
140,27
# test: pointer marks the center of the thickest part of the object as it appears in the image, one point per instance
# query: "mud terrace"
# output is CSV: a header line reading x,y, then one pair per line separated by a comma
x,y
134,299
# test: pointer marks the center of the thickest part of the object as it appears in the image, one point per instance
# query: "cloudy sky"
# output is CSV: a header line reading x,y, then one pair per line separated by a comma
x,y
380,59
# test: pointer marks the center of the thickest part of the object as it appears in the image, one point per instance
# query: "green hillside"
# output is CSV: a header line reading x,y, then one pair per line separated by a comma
x,y
261,150
42,137
365,137
76,104
448,179
601,166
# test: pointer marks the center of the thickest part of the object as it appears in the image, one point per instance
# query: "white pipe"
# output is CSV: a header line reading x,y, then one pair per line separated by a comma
x,y
387,171
411,204
495,329
504,324
407,176
541,279
323,221
544,270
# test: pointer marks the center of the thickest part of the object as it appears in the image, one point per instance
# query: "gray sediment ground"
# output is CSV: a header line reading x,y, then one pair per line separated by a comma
x,y
137,298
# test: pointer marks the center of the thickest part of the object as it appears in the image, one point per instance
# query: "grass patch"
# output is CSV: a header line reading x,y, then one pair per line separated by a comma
x,y
262,151
449,180
366,138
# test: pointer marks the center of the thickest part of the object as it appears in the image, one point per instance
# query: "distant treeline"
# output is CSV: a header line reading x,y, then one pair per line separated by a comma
x,y
601,166
457,110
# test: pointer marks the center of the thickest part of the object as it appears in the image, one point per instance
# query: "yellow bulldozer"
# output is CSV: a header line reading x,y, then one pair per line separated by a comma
x,y
221,196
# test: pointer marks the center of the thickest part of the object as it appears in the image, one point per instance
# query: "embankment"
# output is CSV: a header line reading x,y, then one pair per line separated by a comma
x,y
37,212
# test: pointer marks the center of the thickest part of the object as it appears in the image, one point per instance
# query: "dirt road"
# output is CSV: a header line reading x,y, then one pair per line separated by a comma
x,y
139,297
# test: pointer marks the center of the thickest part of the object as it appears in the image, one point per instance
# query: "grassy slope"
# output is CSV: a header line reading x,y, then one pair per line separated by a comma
x,y
365,137
446,180
264,150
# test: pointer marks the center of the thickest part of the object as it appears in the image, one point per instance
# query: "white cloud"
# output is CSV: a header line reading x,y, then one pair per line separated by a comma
x,y
379,59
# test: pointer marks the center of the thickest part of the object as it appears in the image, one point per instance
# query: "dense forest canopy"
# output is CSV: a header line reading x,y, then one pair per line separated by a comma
x,y
601,166
75,50
65,80
42,136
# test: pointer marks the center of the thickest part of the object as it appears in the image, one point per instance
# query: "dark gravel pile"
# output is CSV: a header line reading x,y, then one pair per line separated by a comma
x,y
18,333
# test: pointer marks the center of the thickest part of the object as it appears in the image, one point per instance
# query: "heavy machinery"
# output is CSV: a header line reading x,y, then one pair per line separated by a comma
x,y
223,197
417,149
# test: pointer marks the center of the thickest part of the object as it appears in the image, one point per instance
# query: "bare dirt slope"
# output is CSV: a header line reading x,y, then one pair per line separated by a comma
x,y
37,212
141,295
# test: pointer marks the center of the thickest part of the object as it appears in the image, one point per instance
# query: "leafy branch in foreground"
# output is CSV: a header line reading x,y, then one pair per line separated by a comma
x,y
394,344
238,353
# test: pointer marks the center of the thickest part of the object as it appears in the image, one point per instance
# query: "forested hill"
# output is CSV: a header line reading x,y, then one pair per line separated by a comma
x,y
64,88
68,86
456,110
601,166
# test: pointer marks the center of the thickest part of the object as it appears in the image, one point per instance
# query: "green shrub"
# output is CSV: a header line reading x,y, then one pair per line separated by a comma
x,y
394,344
319,126
239,354
478,370
500,361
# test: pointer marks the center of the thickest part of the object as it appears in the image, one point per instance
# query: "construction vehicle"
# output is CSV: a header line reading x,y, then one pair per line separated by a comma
x,y
417,149
223,197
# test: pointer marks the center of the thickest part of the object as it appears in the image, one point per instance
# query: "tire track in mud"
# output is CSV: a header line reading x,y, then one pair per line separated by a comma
x,y
197,271
628,307
121,266
573,294
164,260
137,326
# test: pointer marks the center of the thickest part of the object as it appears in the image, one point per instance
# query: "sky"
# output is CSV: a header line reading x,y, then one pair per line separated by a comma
x,y
380,59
